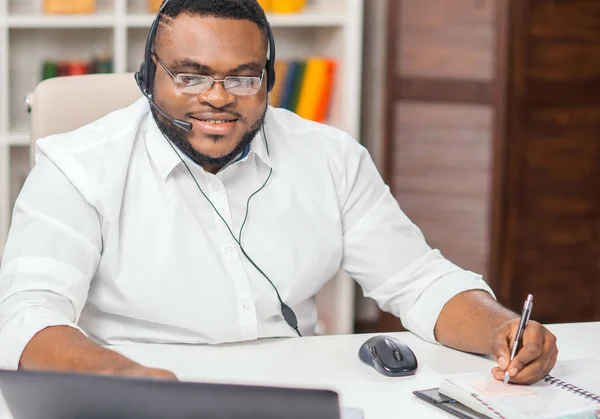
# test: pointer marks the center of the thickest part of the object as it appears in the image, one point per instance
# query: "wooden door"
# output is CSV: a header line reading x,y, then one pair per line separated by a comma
x,y
551,213
493,143
440,118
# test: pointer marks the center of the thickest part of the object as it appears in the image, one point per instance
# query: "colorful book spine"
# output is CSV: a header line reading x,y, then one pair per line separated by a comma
x,y
297,81
324,103
61,68
285,6
312,88
69,6
304,87
288,85
281,69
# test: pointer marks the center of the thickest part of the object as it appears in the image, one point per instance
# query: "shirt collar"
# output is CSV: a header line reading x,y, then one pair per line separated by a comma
x,y
259,147
166,159
160,149
243,154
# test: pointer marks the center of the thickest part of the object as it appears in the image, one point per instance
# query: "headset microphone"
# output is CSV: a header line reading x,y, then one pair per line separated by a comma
x,y
178,122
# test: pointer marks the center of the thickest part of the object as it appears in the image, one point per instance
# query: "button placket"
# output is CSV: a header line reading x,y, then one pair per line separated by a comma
x,y
232,256
218,197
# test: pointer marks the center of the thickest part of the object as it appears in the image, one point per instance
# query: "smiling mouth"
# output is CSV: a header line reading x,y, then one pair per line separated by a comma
x,y
215,126
215,121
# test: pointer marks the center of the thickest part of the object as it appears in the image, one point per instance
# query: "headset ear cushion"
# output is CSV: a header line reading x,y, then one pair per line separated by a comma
x,y
270,76
142,75
149,73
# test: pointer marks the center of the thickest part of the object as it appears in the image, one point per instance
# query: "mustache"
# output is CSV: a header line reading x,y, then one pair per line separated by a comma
x,y
214,111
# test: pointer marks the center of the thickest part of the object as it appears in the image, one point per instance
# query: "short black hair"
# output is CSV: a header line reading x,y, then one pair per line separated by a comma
x,y
225,9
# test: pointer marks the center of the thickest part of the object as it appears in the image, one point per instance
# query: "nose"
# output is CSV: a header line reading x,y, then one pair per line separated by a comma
x,y
217,96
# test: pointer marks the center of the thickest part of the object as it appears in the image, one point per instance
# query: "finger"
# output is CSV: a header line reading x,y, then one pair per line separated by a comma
x,y
550,346
551,360
498,373
536,370
500,346
533,344
541,366
160,373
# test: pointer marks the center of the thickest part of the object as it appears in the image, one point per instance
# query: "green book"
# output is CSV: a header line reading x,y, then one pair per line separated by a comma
x,y
297,86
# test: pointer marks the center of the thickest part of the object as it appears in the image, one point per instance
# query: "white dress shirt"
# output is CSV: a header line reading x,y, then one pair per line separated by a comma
x,y
111,235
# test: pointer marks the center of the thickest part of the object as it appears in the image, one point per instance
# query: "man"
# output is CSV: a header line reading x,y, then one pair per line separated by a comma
x,y
132,229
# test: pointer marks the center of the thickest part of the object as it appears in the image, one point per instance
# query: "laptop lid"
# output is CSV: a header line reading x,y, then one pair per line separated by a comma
x,y
53,395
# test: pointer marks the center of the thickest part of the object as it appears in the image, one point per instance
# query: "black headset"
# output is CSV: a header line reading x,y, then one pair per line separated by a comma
x,y
145,81
145,76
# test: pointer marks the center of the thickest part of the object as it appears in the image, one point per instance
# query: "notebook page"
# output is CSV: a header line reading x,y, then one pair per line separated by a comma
x,y
584,373
547,402
541,400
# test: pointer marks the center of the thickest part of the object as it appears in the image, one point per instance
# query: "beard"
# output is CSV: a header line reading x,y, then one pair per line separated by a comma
x,y
178,137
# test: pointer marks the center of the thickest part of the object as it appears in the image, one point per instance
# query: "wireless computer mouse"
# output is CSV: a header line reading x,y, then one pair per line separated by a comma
x,y
389,356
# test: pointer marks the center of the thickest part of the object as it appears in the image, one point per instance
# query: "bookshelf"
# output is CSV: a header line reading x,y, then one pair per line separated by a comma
x,y
332,28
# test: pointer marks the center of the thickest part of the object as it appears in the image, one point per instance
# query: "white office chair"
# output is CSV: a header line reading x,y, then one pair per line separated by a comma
x,y
65,103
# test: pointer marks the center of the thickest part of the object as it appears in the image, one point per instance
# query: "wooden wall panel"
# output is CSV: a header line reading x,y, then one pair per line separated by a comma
x,y
552,238
439,116
441,176
446,39
493,130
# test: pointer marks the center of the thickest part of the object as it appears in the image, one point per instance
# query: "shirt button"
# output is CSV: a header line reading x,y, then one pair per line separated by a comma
x,y
228,248
215,187
247,306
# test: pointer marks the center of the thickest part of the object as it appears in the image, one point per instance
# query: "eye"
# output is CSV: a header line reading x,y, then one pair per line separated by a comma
x,y
233,82
191,79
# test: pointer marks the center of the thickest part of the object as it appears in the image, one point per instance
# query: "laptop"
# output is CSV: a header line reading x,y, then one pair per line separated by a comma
x,y
56,395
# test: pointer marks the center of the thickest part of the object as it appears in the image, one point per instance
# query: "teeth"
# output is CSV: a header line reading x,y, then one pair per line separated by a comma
x,y
216,121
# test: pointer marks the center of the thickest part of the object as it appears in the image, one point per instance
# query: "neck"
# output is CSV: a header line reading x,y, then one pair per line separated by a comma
x,y
212,168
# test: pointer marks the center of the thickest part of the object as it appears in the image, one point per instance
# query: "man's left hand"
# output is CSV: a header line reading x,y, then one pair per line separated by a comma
x,y
535,357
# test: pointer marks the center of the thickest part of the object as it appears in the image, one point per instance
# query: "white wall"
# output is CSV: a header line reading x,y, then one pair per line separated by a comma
x,y
373,114
374,62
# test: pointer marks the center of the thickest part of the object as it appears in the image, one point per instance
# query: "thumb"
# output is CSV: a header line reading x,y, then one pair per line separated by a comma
x,y
500,346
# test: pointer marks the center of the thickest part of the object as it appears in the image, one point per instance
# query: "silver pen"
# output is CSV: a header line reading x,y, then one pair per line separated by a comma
x,y
522,324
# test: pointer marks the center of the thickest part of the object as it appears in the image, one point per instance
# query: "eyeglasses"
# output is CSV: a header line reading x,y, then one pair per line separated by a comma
x,y
196,84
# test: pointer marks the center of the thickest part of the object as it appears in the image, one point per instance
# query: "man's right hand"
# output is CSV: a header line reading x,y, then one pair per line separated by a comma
x,y
62,348
136,370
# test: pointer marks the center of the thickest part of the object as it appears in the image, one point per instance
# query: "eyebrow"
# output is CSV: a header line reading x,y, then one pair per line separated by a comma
x,y
189,63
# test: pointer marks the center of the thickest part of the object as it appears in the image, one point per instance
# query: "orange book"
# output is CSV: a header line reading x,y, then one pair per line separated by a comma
x,y
154,5
312,88
266,5
69,6
287,6
325,98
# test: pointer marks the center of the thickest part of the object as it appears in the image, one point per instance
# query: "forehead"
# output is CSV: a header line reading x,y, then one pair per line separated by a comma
x,y
212,41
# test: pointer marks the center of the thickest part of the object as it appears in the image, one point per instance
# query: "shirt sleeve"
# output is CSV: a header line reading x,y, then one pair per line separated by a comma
x,y
51,254
387,254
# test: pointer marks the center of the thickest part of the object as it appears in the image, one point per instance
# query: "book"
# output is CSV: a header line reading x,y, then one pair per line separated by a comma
x,y
69,6
287,84
324,104
572,389
286,6
281,69
296,88
312,87
154,5
304,86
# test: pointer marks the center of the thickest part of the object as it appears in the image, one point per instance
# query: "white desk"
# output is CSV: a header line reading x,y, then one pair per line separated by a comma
x,y
332,362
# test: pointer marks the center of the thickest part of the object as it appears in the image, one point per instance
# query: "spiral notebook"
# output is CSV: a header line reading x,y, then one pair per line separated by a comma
x,y
571,390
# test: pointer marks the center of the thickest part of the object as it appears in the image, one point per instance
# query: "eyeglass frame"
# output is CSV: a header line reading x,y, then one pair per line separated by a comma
x,y
213,80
